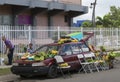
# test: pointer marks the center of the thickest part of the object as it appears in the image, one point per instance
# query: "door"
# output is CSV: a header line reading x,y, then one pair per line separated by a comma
x,y
69,54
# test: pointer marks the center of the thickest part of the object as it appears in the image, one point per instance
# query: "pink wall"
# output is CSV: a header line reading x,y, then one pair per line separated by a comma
x,y
41,20
58,20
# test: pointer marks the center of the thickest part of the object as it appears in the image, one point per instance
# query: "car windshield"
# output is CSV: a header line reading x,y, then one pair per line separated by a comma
x,y
47,48
84,47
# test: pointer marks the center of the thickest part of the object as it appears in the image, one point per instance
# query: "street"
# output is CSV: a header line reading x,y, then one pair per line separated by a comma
x,y
112,75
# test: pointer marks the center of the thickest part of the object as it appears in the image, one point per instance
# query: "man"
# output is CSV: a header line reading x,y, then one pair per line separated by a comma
x,y
9,50
30,48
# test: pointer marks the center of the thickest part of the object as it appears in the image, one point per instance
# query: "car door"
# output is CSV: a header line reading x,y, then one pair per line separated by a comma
x,y
67,54
75,50
85,49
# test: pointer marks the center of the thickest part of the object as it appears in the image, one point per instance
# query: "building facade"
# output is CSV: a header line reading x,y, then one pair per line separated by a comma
x,y
40,12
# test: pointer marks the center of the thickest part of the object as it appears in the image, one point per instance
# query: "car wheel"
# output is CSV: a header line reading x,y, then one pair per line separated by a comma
x,y
52,73
22,76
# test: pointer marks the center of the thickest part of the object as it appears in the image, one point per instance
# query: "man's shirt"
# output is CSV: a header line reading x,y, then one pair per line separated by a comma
x,y
9,44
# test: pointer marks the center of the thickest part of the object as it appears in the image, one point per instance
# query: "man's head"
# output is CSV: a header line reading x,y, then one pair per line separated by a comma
x,y
3,38
30,44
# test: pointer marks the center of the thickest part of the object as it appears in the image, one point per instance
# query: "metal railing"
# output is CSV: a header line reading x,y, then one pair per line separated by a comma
x,y
21,36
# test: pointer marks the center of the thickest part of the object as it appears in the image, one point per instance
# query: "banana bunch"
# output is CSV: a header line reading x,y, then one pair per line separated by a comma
x,y
25,56
106,57
40,56
112,55
61,41
74,40
54,52
63,65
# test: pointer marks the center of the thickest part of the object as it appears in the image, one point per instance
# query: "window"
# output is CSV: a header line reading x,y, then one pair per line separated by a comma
x,y
66,50
43,49
53,48
84,47
75,48
5,20
48,48
0,19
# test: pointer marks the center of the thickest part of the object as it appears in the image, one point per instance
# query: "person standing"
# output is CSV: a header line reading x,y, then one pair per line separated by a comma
x,y
9,49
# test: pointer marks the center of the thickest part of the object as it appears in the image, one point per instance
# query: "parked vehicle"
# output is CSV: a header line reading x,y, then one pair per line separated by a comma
x,y
48,66
68,51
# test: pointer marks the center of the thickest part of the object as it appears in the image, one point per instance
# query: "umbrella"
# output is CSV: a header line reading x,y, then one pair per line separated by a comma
x,y
76,35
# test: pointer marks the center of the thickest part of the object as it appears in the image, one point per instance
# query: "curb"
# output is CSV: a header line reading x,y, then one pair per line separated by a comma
x,y
4,66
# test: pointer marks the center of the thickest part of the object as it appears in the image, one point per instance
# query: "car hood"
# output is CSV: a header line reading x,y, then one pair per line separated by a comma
x,y
48,61
25,61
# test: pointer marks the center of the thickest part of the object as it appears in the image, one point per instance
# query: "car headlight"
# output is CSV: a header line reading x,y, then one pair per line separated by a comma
x,y
38,64
15,64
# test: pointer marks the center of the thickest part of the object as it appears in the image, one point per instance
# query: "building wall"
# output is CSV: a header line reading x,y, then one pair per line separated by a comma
x,y
71,1
5,10
41,20
59,20
5,15
24,18
68,1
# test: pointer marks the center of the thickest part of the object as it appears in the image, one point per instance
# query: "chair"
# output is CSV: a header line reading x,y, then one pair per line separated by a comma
x,y
87,65
96,64
62,65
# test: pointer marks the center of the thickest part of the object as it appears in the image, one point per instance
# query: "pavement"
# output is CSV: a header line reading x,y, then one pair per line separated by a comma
x,y
5,66
112,75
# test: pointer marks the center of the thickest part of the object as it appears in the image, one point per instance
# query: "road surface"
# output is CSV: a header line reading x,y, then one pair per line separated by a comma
x,y
112,75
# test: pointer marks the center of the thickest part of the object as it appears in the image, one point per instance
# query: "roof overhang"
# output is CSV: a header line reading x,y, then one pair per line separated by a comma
x,y
72,9
75,10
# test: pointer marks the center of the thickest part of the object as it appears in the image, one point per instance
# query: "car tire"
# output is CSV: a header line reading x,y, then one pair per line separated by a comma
x,y
23,76
52,73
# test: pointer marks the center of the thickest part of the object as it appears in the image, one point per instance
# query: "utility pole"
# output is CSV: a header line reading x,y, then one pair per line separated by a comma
x,y
93,13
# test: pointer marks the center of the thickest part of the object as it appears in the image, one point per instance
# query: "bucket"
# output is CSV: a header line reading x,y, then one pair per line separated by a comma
x,y
2,61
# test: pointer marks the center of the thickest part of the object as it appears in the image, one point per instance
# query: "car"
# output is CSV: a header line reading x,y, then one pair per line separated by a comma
x,y
46,64
68,51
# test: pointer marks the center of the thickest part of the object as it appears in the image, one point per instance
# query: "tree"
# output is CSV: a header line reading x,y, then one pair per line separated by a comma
x,y
86,24
112,19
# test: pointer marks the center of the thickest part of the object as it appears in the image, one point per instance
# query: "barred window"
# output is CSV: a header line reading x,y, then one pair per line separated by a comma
x,y
5,20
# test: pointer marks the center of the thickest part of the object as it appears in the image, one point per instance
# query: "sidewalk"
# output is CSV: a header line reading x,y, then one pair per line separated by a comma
x,y
5,66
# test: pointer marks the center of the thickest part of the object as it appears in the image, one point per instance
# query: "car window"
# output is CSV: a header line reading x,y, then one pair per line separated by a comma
x,y
48,48
53,48
66,50
84,47
75,48
43,49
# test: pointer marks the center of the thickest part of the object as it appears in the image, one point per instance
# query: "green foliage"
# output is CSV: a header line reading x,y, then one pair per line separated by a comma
x,y
102,48
117,54
112,19
87,24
